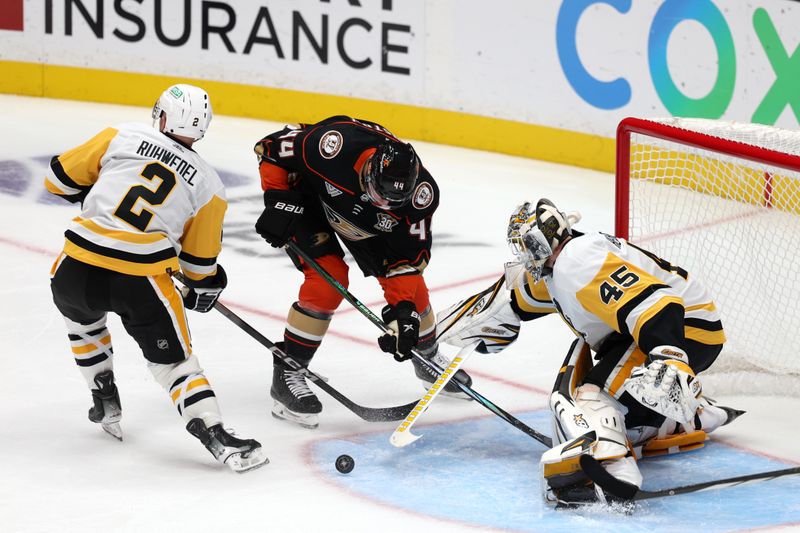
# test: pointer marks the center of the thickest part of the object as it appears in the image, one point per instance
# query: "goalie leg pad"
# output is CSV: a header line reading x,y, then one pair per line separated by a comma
x,y
682,442
592,424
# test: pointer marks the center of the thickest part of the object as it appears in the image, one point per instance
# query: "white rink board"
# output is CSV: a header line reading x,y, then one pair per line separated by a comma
x,y
577,66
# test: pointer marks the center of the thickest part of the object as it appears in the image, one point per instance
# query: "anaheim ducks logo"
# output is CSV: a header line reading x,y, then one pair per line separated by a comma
x,y
318,239
330,144
423,195
344,227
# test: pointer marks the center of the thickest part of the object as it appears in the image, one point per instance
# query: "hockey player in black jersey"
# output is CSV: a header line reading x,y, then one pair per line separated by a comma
x,y
351,179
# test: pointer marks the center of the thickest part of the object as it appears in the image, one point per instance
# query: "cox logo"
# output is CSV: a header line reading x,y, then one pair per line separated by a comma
x,y
617,93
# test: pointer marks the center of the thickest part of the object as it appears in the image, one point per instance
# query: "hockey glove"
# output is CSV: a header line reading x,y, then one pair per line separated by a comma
x,y
667,385
282,212
403,321
201,296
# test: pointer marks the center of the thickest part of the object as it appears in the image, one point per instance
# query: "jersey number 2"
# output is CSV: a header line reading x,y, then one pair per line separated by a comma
x,y
157,196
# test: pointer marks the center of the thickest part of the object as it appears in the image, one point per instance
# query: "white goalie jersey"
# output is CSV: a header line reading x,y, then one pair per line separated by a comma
x,y
149,204
601,284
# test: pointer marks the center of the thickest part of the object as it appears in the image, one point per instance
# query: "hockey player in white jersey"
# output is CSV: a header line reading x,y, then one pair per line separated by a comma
x,y
150,207
652,329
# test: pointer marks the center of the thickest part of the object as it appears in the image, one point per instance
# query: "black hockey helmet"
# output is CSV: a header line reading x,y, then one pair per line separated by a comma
x,y
390,175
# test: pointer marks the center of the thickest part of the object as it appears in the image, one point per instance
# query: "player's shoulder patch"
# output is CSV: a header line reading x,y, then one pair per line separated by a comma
x,y
423,196
330,144
613,240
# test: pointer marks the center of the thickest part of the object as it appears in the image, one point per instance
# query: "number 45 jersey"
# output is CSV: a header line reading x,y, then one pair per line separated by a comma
x,y
601,284
149,204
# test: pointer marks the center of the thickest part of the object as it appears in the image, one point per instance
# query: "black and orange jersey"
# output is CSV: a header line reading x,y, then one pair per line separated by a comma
x,y
323,161
149,204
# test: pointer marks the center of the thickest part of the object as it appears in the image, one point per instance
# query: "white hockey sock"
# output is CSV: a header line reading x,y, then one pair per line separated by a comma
x,y
91,347
189,389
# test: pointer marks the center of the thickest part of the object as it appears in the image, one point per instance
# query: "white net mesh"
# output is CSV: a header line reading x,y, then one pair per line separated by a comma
x,y
735,224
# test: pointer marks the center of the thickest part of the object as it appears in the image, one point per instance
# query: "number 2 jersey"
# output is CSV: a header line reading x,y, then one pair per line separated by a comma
x,y
601,284
150,205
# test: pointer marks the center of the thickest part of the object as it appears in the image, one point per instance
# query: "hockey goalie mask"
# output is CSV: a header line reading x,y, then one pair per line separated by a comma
x,y
390,175
532,238
188,111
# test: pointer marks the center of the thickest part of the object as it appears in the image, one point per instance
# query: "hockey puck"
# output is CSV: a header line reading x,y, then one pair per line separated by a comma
x,y
345,464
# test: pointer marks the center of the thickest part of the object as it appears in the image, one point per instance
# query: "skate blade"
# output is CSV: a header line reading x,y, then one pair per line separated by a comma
x,y
241,464
113,429
306,420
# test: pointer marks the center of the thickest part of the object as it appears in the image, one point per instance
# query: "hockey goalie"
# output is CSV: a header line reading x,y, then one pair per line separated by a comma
x,y
652,329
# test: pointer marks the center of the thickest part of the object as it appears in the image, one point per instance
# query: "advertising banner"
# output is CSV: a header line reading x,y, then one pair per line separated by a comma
x,y
461,71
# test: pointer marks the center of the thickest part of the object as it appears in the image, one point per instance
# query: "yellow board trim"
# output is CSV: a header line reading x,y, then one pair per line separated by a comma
x,y
283,105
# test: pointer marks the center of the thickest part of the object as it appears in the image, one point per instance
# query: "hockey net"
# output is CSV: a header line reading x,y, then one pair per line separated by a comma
x,y
722,200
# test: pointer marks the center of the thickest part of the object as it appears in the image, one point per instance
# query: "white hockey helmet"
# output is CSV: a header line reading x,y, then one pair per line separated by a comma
x,y
188,111
532,236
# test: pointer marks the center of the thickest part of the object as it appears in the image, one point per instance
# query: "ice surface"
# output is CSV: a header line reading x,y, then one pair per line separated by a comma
x,y
470,471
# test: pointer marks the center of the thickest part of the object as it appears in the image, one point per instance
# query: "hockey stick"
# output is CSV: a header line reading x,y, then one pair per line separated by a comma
x,y
594,470
355,302
402,436
370,414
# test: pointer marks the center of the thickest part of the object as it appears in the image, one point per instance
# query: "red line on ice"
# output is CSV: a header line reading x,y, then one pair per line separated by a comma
x,y
28,247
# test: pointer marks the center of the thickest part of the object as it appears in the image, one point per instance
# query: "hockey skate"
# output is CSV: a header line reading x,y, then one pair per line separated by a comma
x,y
429,377
107,409
294,401
240,455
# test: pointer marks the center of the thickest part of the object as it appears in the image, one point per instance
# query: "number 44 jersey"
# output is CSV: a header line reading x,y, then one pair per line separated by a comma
x,y
149,204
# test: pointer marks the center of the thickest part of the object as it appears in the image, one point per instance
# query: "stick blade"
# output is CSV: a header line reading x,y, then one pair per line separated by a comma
x,y
400,439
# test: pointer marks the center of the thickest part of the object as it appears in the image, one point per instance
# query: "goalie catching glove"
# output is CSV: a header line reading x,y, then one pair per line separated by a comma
x,y
667,385
403,321
201,296
486,318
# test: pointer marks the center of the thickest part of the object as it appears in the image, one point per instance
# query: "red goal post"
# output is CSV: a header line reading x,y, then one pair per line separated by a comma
x,y
722,199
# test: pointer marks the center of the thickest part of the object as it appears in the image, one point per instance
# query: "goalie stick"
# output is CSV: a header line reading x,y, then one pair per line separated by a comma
x,y
626,491
472,393
402,436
